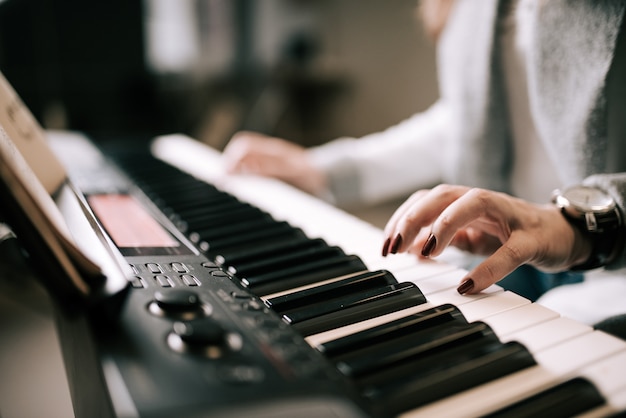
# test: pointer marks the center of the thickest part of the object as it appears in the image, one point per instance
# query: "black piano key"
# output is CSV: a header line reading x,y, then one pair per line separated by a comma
x,y
186,190
283,261
231,229
219,208
305,274
238,256
568,399
190,225
197,214
162,178
179,197
173,183
398,350
175,187
202,207
443,314
171,205
339,288
206,218
416,383
256,239
356,307
150,169
269,231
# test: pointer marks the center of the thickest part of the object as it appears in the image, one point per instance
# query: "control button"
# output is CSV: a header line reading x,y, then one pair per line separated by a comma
x,y
137,282
163,280
219,273
178,304
154,268
201,333
190,280
240,296
204,337
179,267
209,265
177,301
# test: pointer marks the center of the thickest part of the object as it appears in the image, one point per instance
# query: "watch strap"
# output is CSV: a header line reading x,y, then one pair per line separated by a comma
x,y
605,234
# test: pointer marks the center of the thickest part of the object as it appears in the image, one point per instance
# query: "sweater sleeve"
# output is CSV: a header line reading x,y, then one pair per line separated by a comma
x,y
387,164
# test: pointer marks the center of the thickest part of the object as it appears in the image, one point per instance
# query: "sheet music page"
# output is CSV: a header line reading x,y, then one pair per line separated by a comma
x,y
28,136
26,158
38,205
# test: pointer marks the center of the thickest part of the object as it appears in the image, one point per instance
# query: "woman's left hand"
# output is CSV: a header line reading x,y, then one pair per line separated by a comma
x,y
510,231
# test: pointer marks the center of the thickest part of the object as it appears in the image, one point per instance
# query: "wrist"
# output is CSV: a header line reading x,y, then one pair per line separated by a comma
x,y
597,221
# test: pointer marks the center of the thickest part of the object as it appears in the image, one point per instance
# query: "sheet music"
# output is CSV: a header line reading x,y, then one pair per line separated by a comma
x,y
33,173
21,126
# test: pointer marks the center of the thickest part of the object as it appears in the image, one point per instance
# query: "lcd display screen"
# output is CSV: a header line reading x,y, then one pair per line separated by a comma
x,y
133,230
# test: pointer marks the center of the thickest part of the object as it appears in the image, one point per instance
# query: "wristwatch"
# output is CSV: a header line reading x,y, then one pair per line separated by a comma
x,y
595,213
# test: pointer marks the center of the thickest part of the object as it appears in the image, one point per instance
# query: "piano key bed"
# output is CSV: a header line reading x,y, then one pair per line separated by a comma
x,y
399,337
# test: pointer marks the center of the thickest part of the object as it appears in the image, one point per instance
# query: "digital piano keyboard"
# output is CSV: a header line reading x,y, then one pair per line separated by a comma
x,y
251,299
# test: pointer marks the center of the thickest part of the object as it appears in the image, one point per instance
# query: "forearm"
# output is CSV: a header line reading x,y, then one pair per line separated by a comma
x,y
386,164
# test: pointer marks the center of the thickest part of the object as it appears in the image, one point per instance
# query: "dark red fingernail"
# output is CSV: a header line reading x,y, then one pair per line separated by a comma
x,y
466,286
429,245
386,247
395,244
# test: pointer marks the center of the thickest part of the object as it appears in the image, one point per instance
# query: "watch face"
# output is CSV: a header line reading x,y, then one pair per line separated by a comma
x,y
589,199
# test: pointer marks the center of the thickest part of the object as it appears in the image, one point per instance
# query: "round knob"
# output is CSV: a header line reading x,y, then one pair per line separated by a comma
x,y
203,336
200,333
179,304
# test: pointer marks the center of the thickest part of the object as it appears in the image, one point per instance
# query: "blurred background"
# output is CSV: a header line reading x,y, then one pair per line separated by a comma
x,y
306,70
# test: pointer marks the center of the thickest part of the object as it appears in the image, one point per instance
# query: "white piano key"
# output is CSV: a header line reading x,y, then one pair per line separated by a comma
x,y
618,401
431,277
579,351
518,319
500,302
548,333
180,150
399,262
450,295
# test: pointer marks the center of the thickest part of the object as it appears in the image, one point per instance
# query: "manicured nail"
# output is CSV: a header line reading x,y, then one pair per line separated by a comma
x,y
466,286
429,245
386,247
395,244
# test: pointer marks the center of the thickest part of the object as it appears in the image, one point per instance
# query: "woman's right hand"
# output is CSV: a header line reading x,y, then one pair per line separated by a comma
x,y
508,230
255,153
